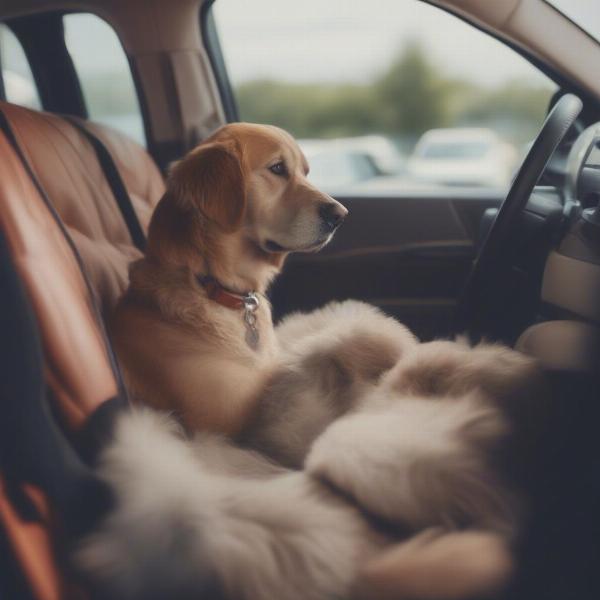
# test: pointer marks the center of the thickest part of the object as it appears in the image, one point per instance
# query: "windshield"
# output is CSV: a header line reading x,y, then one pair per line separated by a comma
x,y
454,150
584,13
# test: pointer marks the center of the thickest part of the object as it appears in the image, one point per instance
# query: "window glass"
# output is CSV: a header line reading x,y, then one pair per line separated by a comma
x,y
104,74
19,85
426,97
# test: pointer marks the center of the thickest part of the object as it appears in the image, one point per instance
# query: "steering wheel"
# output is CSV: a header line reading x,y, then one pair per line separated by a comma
x,y
490,256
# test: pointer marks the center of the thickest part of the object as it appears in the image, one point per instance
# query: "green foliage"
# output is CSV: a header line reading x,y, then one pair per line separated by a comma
x,y
412,95
309,109
408,98
516,107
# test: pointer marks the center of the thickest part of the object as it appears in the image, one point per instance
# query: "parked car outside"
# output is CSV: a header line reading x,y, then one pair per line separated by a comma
x,y
381,149
333,170
463,157
341,163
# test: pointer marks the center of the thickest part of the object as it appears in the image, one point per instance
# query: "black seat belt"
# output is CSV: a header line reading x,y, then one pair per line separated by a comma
x,y
111,172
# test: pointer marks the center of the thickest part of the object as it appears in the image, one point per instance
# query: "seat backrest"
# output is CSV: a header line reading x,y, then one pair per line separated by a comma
x,y
51,233
66,165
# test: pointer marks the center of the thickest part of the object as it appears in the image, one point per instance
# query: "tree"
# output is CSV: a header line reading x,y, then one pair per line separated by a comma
x,y
516,108
412,94
310,110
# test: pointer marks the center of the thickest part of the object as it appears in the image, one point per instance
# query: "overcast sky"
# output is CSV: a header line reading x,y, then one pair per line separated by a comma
x,y
353,40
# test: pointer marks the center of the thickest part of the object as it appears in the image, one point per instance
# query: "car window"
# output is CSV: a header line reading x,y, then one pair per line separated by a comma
x,y
19,85
400,81
104,74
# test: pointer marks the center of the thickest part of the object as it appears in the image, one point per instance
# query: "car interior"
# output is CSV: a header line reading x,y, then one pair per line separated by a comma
x,y
76,196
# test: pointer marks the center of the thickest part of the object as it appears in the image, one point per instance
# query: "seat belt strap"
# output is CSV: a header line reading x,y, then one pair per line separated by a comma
x,y
111,172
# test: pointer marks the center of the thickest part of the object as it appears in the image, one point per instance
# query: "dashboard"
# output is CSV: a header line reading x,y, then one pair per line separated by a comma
x,y
582,180
571,280
549,267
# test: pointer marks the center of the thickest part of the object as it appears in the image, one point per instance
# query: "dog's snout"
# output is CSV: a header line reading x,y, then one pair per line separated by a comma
x,y
332,214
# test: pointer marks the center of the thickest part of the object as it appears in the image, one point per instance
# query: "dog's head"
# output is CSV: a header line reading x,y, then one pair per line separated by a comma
x,y
252,179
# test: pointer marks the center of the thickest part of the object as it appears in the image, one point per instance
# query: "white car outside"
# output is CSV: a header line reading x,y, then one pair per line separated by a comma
x,y
334,170
463,157
382,151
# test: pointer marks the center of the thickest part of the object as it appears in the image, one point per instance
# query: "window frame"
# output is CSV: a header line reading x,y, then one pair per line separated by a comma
x,y
2,88
212,46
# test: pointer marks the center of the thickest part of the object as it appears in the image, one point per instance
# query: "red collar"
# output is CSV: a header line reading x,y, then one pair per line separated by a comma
x,y
220,294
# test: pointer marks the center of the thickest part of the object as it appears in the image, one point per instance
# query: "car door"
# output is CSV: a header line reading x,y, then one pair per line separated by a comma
x,y
454,107
408,254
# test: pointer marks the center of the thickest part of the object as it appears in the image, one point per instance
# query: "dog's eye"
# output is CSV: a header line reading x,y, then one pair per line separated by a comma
x,y
279,169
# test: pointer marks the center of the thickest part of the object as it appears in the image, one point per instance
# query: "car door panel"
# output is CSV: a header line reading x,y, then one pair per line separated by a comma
x,y
408,255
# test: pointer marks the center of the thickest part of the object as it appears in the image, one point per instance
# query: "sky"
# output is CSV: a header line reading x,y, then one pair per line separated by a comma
x,y
354,40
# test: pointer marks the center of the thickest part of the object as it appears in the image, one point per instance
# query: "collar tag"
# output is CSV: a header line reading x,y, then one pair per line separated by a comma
x,y
251,304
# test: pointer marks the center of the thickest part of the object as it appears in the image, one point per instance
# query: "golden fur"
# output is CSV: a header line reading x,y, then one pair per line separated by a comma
x,y
221,215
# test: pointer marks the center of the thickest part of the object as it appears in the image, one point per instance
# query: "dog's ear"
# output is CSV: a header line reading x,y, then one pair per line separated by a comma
x,y
211,179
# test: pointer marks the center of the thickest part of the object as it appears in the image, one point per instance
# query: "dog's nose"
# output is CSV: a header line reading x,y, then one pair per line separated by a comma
x,y
332,214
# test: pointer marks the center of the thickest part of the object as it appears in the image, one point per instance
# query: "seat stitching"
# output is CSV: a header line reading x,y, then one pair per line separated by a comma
x,y
106,228
24,142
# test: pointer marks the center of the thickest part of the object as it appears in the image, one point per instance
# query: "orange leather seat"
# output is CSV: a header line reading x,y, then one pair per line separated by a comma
x,y
79,369
68,169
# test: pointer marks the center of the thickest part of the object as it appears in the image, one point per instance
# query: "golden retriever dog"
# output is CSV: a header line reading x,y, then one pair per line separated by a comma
x,y
375,452
193,332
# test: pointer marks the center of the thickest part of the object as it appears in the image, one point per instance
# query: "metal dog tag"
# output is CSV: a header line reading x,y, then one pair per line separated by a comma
x,y
250,307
